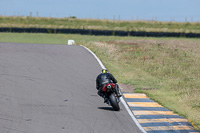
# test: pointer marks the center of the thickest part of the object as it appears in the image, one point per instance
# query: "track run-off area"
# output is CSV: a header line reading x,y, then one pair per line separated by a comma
x,y
51,89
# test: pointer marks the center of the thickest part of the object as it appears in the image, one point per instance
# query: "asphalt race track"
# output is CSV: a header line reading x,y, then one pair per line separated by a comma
x,y
51,89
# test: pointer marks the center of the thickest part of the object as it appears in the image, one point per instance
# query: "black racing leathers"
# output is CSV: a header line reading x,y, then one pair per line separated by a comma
x,y
103,79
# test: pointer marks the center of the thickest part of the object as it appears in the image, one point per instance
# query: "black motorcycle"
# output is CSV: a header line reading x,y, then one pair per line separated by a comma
x,y
112,96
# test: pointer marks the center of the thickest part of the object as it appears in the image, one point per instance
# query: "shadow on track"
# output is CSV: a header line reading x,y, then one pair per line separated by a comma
x,y
106,108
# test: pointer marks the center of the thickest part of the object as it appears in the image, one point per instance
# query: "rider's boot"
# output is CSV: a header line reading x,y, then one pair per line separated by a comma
x,y
117,90
103,96
118,93
105,99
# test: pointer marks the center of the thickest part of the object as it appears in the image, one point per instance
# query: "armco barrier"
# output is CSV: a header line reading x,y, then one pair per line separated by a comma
x,y
100,32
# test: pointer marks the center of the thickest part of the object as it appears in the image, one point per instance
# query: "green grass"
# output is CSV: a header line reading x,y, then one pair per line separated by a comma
x,y
99,24
166,69
52,38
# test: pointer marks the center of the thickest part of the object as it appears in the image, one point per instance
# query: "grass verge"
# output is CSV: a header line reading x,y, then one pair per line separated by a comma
x,y
166,69
53,38
147,26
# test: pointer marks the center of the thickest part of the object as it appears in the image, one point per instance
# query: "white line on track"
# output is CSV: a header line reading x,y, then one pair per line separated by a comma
x,y
121,98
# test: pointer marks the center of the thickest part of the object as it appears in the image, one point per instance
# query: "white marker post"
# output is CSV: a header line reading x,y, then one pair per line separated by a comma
x,y
71,42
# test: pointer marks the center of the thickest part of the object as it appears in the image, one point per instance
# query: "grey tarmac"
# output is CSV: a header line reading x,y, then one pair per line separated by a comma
x,y
51,89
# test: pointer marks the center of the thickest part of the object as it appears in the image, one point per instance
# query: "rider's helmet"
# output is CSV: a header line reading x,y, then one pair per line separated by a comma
x,y
104,71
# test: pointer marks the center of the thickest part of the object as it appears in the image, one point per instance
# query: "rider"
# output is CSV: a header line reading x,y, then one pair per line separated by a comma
x,y
104,78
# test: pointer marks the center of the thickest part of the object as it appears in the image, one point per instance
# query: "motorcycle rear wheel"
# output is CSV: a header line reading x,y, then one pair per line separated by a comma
x,y
113,102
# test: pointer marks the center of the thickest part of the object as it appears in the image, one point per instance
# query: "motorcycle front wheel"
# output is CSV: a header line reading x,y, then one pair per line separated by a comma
x,y
113,102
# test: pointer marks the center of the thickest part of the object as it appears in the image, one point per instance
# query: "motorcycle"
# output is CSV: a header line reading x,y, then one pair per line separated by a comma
x,y
112,95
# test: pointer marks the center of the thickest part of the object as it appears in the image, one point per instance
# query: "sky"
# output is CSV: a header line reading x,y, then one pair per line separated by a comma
x,y
161,10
